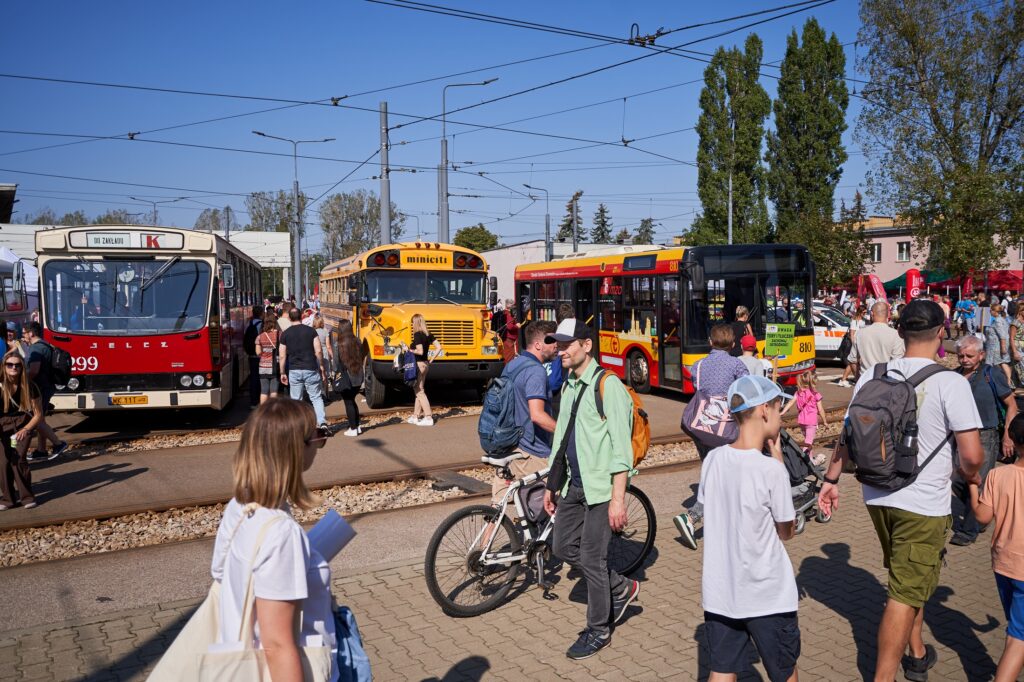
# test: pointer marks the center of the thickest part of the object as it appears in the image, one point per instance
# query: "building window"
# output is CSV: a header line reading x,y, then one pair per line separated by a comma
x,y
903,252
876,253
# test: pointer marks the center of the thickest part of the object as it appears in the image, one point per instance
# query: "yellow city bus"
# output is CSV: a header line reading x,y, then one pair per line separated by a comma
x,y
651,311
381,289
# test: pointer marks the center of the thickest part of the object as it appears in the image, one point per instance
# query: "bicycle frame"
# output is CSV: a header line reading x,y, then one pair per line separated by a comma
x,y
525,528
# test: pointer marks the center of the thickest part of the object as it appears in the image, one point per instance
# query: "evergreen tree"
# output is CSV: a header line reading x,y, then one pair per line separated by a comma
x,y
623,237
805,153
734,107
841,248
645,233
565,227
601,233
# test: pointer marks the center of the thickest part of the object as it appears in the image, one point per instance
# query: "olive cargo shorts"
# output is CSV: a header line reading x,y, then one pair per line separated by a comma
x,y
913,546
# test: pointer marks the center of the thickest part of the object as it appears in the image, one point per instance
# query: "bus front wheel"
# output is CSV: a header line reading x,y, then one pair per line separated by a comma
x,y
373,387
638,372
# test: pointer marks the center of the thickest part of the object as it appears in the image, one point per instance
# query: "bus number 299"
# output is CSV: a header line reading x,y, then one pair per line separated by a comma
x,y
85,364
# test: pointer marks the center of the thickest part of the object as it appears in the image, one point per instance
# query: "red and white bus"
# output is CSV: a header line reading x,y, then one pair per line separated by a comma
x,y
152,316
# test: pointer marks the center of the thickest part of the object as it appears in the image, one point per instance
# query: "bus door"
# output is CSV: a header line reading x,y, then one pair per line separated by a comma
x,y
586,305
670,368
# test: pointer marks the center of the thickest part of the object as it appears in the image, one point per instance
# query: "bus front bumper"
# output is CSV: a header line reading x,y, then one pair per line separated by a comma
x,y
445,370
100,400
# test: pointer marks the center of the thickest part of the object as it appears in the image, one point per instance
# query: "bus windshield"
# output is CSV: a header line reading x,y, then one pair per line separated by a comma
x,y
398,286
126,297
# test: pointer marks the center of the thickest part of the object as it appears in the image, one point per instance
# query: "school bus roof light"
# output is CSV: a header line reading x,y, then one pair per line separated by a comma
x,y
393,259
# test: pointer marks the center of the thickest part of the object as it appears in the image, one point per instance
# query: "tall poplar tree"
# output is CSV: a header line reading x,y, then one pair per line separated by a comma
x,y
734,107
565,227
805,152
601,233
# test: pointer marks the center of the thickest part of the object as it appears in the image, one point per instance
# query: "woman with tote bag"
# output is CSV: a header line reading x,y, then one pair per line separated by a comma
x,y
269,615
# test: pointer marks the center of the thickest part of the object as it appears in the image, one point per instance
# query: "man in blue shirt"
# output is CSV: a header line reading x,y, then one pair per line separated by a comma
x,y
967,309
532,404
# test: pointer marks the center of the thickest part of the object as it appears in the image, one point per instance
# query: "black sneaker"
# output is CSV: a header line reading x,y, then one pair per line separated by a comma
x,y
588,644
621,602
36,456
961,539
58,450
916,669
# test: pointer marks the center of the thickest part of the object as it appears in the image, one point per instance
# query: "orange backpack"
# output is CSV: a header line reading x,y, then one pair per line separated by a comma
x,y
641,437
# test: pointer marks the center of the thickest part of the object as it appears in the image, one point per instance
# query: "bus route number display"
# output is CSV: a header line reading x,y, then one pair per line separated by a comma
x,y
778,339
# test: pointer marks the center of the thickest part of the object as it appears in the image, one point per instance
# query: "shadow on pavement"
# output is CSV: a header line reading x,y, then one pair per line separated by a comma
x,y
469,669
956,631
84,481
144,656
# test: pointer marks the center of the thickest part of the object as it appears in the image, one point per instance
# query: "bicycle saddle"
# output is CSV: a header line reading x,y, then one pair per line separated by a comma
x,y
502,461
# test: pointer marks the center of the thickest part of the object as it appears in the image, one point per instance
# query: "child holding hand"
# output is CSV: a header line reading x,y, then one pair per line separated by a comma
x,y
1002,499
809,407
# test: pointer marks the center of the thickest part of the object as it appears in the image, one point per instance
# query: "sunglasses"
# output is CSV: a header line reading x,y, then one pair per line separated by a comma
x,y
319,437
15,365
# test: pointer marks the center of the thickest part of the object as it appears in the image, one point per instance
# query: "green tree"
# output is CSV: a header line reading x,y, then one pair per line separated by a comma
x,y
216,220
274,211
943,123
118,216
476,237
351,223
805,152
645,233
565,227
623,237
46,216
734,107
601,233
840,248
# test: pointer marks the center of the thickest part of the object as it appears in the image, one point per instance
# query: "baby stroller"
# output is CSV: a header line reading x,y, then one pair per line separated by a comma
x,y
805,478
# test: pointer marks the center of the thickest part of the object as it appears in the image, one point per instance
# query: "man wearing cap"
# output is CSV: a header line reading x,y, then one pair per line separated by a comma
x,y
598,454
912,522
748,590
755,367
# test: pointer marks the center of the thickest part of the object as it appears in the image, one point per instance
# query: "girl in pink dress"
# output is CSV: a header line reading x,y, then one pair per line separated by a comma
x,y
809,408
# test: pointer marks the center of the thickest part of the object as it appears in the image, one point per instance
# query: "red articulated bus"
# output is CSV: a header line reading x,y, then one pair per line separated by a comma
x,y
152,316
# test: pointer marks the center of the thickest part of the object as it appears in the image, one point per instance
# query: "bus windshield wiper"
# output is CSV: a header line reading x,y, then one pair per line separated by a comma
x,y
156,275
448,300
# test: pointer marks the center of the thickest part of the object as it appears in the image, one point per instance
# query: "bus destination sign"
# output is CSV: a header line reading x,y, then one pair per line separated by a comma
x,y
127,239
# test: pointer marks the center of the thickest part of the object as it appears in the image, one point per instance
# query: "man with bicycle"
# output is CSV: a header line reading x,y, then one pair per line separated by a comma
x,y
532,401
593,457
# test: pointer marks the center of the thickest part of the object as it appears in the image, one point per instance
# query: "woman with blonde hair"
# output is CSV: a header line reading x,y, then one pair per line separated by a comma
x,y
257,536
422,342
324,334
22,411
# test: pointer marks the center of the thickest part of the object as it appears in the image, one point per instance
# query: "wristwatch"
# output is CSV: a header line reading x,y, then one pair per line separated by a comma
x,y
833,481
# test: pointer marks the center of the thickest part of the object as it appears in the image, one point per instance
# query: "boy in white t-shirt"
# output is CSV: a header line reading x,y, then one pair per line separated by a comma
x,y
749,590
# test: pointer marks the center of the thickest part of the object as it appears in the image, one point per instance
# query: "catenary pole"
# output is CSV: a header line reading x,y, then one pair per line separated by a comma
x,y
385,178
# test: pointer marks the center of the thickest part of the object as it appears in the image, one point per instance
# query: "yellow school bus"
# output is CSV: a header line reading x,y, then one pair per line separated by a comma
x,y
652,310
381,289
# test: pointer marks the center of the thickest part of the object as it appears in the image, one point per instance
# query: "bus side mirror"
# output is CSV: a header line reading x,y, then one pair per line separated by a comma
x,y
493,283
374,310
493,298
18,275
227,276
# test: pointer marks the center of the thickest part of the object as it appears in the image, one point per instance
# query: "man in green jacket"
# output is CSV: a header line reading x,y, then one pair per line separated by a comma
x,y
591,504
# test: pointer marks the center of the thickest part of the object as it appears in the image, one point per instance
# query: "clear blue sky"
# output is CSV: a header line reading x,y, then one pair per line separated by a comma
x,y
316,50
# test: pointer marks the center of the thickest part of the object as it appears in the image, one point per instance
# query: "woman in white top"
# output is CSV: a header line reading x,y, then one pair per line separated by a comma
x,y
279,442
857,322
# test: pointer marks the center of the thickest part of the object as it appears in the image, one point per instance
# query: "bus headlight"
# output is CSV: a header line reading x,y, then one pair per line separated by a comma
x,y
186,381
390,350
197,380
490,350
73,384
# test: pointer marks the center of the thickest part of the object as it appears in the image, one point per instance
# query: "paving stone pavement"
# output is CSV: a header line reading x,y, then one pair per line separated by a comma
x,y
838,568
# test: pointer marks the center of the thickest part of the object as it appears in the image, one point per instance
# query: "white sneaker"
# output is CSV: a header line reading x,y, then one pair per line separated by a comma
x,y
843,382
352,433
413,420
426,421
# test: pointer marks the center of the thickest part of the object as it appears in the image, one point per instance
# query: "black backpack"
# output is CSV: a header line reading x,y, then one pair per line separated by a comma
x,y
882,413
60,365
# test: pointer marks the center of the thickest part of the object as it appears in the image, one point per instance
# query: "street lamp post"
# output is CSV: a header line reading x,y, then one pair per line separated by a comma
x,y
442,176
296,246
154,204
547,220
417,219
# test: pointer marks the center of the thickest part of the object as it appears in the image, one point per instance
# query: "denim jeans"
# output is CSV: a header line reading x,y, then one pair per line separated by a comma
x,y
308,379
963,517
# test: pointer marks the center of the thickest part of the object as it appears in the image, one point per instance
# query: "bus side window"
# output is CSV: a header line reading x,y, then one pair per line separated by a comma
x,y
609,304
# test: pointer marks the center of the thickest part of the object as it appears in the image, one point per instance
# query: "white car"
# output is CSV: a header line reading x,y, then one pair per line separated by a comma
x,y
830,326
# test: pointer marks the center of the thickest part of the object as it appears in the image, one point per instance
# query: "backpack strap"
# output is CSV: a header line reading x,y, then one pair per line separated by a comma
x,y
920,376
880,369
602,375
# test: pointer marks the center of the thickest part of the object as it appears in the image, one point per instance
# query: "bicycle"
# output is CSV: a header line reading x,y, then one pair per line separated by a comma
x,y
467,576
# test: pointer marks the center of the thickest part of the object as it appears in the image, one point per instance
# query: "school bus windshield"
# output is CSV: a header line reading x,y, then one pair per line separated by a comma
x,y
398,286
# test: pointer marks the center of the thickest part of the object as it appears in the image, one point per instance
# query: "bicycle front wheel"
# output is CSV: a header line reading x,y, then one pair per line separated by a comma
x,y
630,546
458,580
